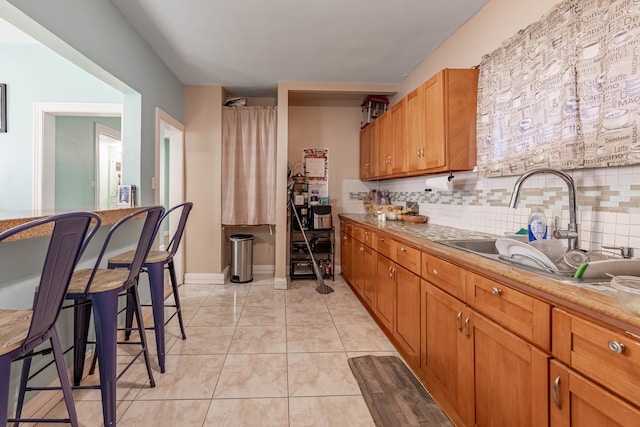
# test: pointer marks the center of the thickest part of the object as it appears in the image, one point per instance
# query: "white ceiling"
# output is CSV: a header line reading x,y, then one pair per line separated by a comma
x,y
247,46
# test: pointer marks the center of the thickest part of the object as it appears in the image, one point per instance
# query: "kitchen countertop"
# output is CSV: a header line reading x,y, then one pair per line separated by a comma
x,y
601,306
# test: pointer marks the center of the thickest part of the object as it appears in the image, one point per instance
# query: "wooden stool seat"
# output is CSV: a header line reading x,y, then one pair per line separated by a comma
x,y
153,257
104,280
14,327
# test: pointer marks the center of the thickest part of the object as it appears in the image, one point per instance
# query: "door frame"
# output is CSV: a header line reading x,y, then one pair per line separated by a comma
x,y
44,142
177,190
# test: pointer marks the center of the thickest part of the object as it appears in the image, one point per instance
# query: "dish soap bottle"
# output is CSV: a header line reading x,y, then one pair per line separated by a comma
x,y
537,224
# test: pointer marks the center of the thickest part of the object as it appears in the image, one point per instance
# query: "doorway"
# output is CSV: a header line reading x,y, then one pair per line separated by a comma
x,y
108,166
169,181
44,142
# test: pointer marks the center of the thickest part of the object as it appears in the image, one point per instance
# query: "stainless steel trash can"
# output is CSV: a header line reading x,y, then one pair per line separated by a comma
x,y
241,258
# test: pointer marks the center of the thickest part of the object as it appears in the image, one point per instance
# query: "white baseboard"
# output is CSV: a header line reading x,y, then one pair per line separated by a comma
x,y
204,278
280,283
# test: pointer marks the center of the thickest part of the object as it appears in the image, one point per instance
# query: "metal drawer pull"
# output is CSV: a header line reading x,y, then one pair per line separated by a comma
x,y
554,392
616,346
459,321
466,327
403,249
435,272
496,291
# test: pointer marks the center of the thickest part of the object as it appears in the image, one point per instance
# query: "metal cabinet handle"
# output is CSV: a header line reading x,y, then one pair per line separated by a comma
x,y
459,321
390,272
554,393
616,347
466,327
435,272
496,291
361,249
403,249
382,239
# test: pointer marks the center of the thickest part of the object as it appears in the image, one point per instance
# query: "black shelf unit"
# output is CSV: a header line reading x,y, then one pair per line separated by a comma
x,y
322,242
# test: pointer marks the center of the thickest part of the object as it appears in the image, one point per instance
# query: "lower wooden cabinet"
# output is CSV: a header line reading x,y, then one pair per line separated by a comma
x,y
407,324
574,401
482,348
510,378
447,351
385,300
364,271
346,253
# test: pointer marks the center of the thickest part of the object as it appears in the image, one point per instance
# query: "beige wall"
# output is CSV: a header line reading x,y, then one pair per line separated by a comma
x,y
482,34
336,128
203,135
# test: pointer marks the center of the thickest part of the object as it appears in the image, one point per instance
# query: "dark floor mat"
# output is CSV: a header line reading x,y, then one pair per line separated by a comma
x,y
394,395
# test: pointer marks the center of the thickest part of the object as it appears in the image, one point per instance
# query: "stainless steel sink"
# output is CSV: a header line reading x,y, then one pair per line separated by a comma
x,y
478,246
487,248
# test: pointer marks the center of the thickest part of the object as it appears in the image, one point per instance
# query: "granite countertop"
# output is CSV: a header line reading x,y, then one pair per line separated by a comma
x,y
12,219
601,306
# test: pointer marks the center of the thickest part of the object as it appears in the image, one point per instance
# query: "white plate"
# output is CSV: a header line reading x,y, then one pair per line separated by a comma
x,y
523,253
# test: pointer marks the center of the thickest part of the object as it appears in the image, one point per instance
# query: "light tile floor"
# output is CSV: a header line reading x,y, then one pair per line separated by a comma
x,y
254,356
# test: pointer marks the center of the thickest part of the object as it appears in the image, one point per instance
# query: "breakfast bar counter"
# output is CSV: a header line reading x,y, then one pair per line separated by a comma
x,y
12,219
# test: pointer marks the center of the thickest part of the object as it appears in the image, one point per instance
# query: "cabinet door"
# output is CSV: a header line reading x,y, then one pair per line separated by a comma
x,y
385,300
346,253
447,350
373,150
510,378
434,116
415,154
391,140
356,266
385,148
365,147
398,137
369,275
407,326
575,401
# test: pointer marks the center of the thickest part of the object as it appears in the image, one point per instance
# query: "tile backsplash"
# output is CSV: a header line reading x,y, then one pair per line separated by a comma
x,y
608,202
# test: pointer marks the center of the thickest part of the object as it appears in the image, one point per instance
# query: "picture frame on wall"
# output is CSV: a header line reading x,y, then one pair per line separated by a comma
x,y
3,107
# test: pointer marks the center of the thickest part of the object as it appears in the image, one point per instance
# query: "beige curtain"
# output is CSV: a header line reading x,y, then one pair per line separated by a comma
x,y
249,165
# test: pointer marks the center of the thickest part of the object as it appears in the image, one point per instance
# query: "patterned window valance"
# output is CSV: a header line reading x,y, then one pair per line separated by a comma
x,y
563,92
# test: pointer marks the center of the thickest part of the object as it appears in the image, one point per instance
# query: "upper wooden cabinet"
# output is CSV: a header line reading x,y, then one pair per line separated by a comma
x,y
369,151
391,141
431,130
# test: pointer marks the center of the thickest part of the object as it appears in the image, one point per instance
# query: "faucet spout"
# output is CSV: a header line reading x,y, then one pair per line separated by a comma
x,y
571,234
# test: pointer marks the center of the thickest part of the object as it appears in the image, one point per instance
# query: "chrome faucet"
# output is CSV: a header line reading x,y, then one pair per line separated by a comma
x,y
571,234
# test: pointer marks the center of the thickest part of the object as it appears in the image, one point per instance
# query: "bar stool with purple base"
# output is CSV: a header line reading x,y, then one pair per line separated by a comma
x,y
154,265
22,331
96,290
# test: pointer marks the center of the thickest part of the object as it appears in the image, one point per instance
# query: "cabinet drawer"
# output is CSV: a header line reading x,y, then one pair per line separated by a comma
x,y
383,245
448,277
346,227
406,256
358,233
523,315
610,358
